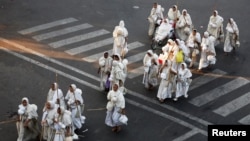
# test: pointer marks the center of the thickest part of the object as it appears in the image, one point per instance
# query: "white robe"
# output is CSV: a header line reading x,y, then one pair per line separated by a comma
x,y
163,31
184,26
120,34
146,63
47,120
53,95
215,26
64,120
182,85
105,64
27,113
165,87
230,40
173,15
155,14
112,116
207,48
76,109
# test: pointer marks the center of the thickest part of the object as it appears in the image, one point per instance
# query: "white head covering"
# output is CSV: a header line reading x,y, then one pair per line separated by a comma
x,y
52,104
150,52
121,24
170,41
216,12
206,34
25,99
184,10
73,86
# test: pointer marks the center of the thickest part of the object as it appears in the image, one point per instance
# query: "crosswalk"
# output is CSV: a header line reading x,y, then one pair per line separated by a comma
x,y
63,27
102,39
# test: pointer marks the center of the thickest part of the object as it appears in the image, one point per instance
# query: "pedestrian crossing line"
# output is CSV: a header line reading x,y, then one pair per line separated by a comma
x,y
136,57
84,48
135,72
78,38
95,57
234,105
47,25
61,32
218,92
199,81
245,120
186,135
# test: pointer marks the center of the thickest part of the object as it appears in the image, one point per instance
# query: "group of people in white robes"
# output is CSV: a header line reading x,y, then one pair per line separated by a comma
x,y
113,73
62,116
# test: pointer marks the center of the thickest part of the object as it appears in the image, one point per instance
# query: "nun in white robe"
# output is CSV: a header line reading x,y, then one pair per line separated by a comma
x,y
208,53
147,63
116,109
75,103
62,125
55,95
117,74
120,35
182,86
165,88
184,25
215,27
47,120
232,36
105,66
27,124
155,14
173,15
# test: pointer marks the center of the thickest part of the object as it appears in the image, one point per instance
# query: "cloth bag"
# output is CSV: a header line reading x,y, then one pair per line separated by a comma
x,y
123,119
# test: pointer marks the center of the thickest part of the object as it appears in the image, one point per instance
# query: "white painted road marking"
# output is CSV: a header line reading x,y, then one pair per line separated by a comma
x,y
47,25
61,32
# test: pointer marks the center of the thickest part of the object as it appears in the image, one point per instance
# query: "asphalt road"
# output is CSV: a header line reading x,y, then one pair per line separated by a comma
x,y
25,72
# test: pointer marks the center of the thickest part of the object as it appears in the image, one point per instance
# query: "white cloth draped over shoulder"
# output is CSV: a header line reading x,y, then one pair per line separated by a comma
x,y
182,85
155,14
120,35
173,15
105,65
27,115
184,26
163,30
113,115
215,25
232,36
53,95
207,51
62,121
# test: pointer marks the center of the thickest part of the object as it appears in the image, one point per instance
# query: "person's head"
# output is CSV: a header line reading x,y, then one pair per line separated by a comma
x,y
49,104
206,34
115,87
121,23
60,110
106,54
72,88
54,86
184,12
149,53
230,20
116,57
215,13
174,8
155,5
183,66
25,101
194,32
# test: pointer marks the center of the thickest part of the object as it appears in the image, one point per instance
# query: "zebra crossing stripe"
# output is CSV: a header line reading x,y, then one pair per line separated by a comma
x,y
84,48
245,120
136,57
218,92
135,72
78,38
61,32
95,57
199,81
234,105
47,25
